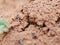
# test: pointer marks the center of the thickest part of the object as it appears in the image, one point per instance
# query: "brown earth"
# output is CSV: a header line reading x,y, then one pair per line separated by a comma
x,y
31,22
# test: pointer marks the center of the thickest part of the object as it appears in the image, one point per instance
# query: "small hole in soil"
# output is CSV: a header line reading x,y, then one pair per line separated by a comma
x,y
13,19
22,11
57,13
56,5
11,27
48,29
31,0
44,25
23,29
34,37
58,20
26,26
50,0
45,32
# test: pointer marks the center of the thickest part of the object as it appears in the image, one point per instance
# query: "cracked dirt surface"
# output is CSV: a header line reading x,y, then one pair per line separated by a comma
x,y
31,22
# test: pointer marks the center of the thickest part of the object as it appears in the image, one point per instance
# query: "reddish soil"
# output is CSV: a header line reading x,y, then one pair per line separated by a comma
x,y
31,22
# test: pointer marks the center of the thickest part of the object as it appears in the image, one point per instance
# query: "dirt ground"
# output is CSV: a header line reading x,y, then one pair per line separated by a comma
x,y
31,22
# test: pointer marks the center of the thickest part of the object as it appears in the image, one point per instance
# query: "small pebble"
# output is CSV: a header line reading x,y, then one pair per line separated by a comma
x,y
33,35
17,16
19,42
